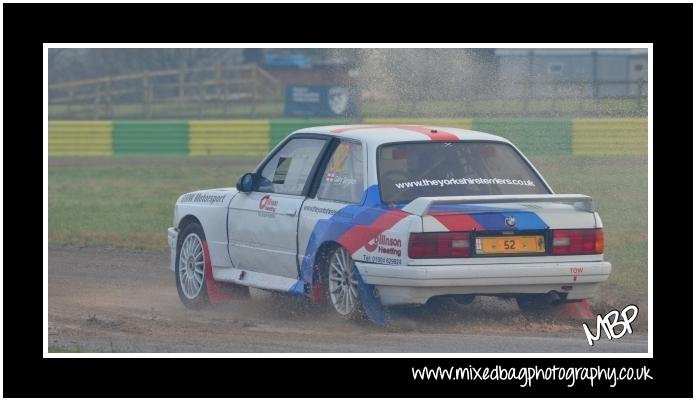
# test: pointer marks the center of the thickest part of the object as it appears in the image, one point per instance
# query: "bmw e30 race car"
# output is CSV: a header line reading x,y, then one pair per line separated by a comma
x,y
369,217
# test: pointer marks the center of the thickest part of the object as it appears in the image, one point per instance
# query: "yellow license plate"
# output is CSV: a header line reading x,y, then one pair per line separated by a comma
x,y
510,244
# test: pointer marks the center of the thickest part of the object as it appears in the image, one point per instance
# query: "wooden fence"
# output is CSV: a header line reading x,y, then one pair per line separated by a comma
x,y
222,84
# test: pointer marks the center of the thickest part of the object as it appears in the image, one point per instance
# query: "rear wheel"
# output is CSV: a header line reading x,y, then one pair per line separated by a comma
x,y
190,267
343,285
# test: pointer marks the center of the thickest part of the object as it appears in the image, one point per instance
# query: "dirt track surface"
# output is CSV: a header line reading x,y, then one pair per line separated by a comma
x,y
121,301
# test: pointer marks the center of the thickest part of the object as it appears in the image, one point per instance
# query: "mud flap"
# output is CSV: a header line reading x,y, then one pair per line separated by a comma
x,y
220,292
375,311
317,293
574,310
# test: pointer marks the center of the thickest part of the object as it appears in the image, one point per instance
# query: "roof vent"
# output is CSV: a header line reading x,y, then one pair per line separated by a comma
x,y
433,131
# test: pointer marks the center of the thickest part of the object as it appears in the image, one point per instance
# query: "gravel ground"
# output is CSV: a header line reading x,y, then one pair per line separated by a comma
x,y
111,300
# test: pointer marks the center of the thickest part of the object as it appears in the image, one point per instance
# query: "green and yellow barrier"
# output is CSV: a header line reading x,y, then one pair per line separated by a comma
x,y
610,136
169,137
550,136
531,136
79,138
228,137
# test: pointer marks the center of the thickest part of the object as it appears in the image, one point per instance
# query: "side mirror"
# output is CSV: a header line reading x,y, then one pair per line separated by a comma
x,y
246,182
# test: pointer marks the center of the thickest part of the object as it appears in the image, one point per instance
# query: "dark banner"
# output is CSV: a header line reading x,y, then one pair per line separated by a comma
x,y
321,101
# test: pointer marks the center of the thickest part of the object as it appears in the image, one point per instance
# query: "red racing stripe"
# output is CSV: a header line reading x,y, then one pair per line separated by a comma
x,y
360,235
434,135
350,128
458,222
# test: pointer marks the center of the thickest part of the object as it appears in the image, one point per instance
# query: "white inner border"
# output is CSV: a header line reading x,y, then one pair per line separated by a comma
x,y
47,46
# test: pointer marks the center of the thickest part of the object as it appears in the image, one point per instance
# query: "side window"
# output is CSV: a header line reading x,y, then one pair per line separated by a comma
x,y
288,171
343,178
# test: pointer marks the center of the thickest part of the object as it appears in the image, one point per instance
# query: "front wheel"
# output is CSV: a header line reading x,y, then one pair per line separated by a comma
x,y
190,267
343,285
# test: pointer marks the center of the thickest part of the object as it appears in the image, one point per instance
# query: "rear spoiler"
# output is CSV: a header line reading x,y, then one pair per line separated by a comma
x,y
420,206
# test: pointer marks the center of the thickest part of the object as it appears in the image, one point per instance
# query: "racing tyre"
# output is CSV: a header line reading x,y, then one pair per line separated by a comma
x,y
189,268
342,285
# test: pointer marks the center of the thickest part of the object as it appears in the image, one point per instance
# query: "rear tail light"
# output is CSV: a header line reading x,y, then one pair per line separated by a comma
x,y
578,242
439,245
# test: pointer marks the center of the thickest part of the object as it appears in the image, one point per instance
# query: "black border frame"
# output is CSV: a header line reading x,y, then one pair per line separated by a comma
x,y
28,374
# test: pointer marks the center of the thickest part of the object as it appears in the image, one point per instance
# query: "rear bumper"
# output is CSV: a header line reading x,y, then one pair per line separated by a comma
x,y
415,284
172,237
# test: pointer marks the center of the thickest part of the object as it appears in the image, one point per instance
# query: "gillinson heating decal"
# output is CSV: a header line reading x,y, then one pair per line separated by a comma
x,y
384,249
267,206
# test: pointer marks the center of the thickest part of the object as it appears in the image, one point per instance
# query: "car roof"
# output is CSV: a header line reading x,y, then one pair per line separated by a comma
x,y
378,134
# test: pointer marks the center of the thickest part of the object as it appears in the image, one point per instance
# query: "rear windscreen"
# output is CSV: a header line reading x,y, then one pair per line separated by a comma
x,y
411,170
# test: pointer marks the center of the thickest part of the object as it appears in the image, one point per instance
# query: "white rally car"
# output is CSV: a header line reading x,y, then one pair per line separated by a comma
x,y
368,217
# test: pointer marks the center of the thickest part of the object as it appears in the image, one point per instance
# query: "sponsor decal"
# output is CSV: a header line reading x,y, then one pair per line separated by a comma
x,y
267,204
269,215
462,181
198,197
326,210
382,260
385,245
335,179
320,210
267,207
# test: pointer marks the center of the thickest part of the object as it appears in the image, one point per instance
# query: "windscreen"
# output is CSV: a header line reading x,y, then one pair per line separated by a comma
x,y
411,170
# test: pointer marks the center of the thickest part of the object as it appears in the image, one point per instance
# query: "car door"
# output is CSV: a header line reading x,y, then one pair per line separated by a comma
x,y
262,224
339,192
